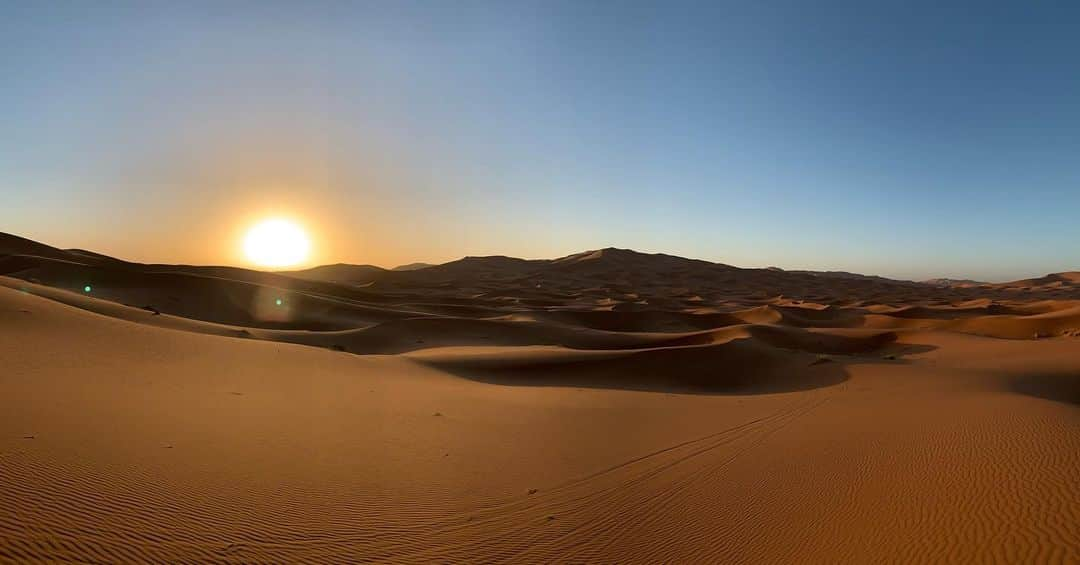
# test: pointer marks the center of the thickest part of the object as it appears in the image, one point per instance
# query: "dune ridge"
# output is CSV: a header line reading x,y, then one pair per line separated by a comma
x,y
609,406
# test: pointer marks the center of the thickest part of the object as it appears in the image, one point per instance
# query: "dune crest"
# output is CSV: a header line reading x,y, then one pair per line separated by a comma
x,y
608,406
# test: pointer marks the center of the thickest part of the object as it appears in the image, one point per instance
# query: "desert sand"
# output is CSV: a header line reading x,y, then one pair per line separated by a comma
x,y
609,407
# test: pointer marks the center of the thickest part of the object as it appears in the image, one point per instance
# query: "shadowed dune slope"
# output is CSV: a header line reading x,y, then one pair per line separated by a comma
x,y
125,442
743,366
605,407
421,332
611,289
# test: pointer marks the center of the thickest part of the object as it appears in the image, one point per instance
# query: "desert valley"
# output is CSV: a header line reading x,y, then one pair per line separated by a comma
x,y
609,406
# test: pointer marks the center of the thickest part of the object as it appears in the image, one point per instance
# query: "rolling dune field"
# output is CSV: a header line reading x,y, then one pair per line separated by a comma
x,y
606,407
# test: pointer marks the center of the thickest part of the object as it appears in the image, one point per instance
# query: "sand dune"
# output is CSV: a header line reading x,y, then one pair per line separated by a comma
x,y
608,406
739,363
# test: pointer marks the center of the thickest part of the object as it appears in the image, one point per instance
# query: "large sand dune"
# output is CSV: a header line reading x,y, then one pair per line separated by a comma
x,y
609,406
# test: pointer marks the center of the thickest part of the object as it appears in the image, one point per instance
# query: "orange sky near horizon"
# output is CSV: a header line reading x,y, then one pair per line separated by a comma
x,y
402,132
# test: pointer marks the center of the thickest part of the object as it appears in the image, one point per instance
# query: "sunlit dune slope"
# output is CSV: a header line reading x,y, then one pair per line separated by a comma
x,y
609,406
129,442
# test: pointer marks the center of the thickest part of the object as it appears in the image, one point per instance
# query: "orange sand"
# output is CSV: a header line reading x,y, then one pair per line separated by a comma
x,y
605,407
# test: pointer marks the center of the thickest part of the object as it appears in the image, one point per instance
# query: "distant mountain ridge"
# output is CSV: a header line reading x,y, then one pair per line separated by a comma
x,y
339,272
845,275
946,282
412,266
608,265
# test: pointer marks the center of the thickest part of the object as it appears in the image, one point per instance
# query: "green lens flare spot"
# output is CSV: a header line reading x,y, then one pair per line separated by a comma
x,y
86,288
278,301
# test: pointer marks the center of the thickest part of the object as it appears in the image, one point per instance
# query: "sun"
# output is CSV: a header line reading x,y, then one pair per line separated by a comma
x,y
276,242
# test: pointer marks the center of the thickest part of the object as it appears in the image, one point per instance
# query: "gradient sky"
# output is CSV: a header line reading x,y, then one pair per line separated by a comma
x,y
908,139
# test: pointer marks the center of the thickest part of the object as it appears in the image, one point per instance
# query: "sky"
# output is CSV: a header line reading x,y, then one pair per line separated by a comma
x,y
907,139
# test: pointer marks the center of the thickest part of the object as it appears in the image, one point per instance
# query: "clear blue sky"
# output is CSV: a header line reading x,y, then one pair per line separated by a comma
x,y
908,139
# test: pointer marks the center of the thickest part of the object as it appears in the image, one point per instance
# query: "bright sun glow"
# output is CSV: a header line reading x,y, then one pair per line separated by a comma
x,y
276,243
